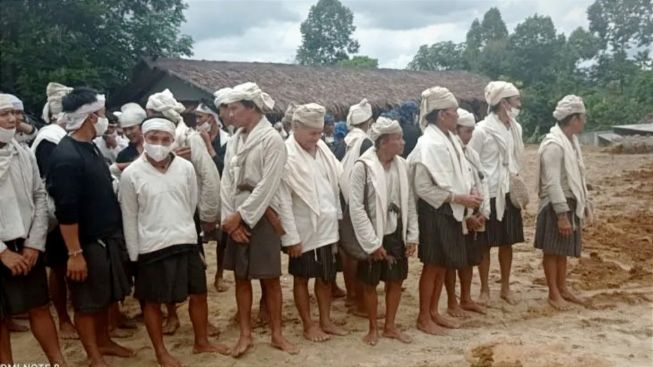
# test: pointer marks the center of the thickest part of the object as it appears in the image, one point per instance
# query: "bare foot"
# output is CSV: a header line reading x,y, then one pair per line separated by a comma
x,y
337,292
213,330
243,344
114,349
171,326
219,285
67,331
15,327
397,334
315,334
333,329
283,344
121,333
430,327
442,320
472,306
508,297
167,360
559,304
211,348
457,311
372,337
484,298
570,297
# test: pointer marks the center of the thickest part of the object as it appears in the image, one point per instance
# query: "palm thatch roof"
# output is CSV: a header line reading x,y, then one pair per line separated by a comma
x,y
336,88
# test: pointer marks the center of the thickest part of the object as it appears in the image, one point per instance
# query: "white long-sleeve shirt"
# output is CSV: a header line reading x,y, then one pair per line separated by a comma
x,y
158,207
23,199
110,154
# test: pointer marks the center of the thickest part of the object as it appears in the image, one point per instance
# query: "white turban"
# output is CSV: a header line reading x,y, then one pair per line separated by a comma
x,y
130,114
250,92
55,93
166,103
202,108
383,126
6,102
74,120
159,124
220,95
16,102
310,115
466,118
359,113
569,105
435,98
498,90
287,116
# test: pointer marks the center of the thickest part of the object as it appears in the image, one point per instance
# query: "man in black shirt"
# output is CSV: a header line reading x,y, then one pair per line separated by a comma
x,y
90,221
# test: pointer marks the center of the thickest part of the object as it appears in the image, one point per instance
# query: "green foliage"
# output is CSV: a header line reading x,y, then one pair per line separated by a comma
x,y
361,62
327,34
83,42
439,56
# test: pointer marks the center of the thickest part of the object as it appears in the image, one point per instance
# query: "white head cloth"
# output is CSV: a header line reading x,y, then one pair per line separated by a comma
x,y
166,103
497,90
435,98
159,124
250,92
569,105
16,102
466,118
310,115
287,116
205,109
6,101
130,114
74,120
220,95
382,126
359,113
55,93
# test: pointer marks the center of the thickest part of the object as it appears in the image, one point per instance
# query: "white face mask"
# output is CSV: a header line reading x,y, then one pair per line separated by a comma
x,y
6,134
204,128
156,151
101,126
514,112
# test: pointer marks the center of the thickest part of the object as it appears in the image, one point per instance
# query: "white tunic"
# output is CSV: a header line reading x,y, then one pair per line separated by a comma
x,y
110,154
158,207
23,199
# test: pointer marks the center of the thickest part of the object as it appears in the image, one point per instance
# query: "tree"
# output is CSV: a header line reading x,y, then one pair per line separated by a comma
x,y
360,62
327,34
92,42
439,56
486,44
622,25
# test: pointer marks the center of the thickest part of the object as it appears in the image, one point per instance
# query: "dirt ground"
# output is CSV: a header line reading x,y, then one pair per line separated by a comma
x,y
615,273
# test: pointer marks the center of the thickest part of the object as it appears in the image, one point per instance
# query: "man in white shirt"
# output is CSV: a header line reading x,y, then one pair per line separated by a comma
x,y
312,173
158,197
498,141
23,229
110,144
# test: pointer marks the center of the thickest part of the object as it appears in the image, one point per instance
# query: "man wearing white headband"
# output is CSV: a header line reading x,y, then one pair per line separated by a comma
x,y
445,197
130,117
210,128
90,221
359,120
158,197
312,173
25,131
475,240
498,141
52,108
110,143
384,218
223,112
564,200
255,211
23,282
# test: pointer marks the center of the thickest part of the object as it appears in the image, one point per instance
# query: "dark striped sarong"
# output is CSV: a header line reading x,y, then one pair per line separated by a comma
x,y
476,243
393,269
548,238
509,230
258,259
23,292
319,263
441,238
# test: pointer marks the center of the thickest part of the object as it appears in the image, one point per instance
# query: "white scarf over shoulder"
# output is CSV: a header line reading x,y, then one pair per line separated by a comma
x,y
377,176
52,133
299,175
354,140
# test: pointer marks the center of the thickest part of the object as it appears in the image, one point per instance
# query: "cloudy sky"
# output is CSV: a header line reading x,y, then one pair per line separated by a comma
x,y
389,30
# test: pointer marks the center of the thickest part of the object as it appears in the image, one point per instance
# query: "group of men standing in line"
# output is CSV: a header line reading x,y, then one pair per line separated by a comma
x,y
457,194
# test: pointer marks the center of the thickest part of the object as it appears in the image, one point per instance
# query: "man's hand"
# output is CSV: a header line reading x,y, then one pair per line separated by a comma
x,y
16,263
76,268
468,201
209,229
241,235
379,254
31,255
564,226
295,250
183,152
232,222
411,248
473,223
207,141
25,128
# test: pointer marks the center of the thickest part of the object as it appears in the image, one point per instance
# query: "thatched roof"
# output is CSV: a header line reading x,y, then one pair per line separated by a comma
x,y
336,88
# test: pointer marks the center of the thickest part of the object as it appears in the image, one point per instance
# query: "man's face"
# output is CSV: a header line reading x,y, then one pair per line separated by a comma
x,y
202,118
449,118
133,133
20,116
111,129
393,144
158,138
224,115
8,118
465,133
239,114
513,102
578,123
307,137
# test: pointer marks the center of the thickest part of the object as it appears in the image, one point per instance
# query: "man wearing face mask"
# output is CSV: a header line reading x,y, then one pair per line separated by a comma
x,y
498,141
210,128
110,144
90,221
